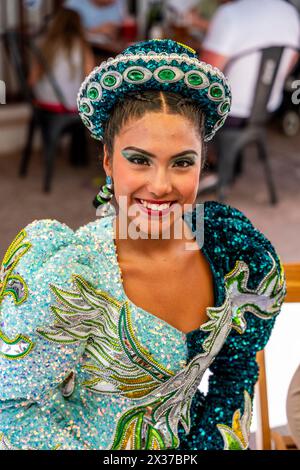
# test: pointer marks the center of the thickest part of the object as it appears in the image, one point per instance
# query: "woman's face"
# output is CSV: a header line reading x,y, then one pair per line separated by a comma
x,y
155,166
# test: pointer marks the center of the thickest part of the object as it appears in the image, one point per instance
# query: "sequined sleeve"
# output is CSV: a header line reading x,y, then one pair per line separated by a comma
x,y
223,417
33,370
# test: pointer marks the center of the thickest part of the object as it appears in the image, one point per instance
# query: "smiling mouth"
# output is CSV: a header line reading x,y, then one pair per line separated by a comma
x,y
155,206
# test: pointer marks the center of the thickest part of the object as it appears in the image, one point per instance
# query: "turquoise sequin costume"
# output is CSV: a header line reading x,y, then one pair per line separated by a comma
x,y
81,367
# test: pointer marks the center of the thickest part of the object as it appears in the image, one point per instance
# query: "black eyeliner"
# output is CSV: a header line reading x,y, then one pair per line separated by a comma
x,y
191,159
132,153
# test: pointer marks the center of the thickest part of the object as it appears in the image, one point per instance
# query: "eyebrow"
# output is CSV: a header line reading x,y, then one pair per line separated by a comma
x,y
149,154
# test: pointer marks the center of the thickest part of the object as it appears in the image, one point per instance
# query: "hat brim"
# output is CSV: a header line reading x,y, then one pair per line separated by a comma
x,y
135,72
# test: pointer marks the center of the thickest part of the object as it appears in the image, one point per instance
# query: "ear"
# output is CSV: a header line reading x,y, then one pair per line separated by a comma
x,y
107,162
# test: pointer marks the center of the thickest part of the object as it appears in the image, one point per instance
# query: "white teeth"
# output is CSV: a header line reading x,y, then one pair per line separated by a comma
x,y
155,207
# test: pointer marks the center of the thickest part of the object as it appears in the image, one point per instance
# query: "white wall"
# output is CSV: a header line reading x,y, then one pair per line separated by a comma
x,y
282,359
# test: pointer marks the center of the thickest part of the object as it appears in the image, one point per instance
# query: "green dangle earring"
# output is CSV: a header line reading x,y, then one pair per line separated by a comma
x,y
102,201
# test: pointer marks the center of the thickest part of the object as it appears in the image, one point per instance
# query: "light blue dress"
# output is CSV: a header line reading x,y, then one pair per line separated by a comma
x,y
82,367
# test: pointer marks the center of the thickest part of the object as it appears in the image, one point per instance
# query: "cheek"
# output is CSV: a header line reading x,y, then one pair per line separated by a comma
x,y
188,184
126,180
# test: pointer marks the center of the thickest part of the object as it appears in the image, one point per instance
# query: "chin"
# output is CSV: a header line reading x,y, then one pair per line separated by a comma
x,y
153,227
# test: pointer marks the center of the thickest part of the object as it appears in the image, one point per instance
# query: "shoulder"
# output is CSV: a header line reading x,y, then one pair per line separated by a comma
x,y
230,237
43,238
48,236
287,9
222,31
45,249
95,232
45,253
42,255
224,11
286,12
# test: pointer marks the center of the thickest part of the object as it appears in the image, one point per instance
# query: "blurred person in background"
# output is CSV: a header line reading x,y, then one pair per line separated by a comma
x,y
68,59
194,14
201,13
244,25
103,17
186,22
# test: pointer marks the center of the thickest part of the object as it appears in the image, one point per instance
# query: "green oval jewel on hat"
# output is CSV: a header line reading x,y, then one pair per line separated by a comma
x,y
111,80
196,79
94,91
216,92
84,108
219,123
165,74
87,122
223,108
137,74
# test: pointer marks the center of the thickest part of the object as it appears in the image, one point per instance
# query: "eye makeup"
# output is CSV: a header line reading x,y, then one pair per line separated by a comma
x,y
186,161
140,157
135,157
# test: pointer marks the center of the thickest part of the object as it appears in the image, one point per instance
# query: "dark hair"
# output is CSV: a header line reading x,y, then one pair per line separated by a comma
x,y
136,105
64,31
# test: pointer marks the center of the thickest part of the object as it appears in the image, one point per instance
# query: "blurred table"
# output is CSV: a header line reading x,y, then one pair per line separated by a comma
x,y
182,34
104,48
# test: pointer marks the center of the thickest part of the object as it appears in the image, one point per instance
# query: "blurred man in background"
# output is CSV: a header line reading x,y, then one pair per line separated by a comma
x,y
195,14
200,15
250,25
103,17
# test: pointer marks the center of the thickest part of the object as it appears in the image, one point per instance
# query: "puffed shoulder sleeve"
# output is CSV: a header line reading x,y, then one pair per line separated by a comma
x,y
254,283
41,260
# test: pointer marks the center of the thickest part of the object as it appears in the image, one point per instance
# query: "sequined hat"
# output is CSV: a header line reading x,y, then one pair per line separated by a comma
x,y
163,65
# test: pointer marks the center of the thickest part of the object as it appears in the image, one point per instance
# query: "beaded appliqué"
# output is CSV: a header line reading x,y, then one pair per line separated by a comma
x,y
122,366
92,316
264,302
237,437
161,399
11,283
4,443
172,400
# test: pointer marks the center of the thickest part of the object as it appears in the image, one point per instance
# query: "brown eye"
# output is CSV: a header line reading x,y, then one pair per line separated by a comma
x,y
184,163
138,160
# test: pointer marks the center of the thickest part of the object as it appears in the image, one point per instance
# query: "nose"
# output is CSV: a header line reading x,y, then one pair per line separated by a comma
x,y
160,183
